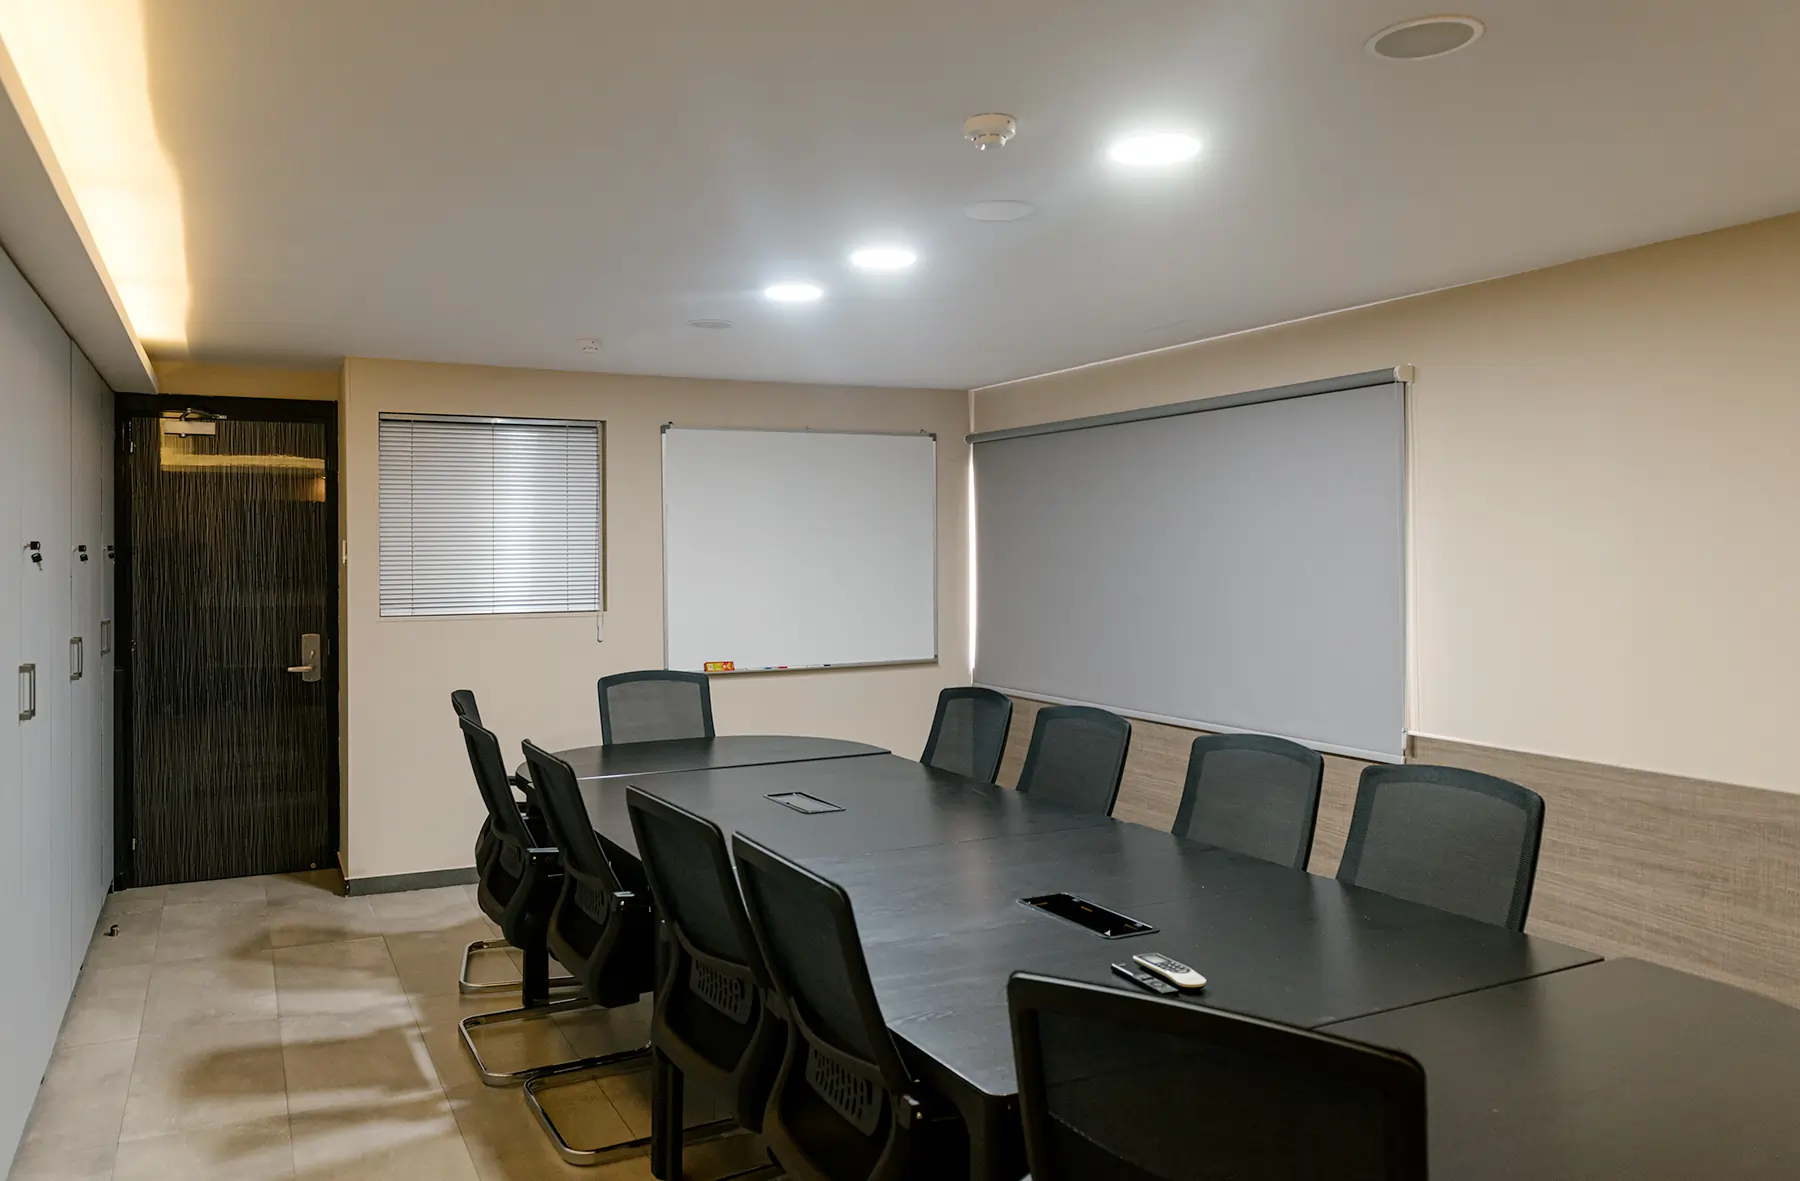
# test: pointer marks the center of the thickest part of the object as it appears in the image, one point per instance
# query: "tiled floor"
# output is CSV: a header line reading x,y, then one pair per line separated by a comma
x,y
266,1028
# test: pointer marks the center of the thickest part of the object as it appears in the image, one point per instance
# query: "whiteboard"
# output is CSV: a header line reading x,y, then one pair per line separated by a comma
x,y
798,549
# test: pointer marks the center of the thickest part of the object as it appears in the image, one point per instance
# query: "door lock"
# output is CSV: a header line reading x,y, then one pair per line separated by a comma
x,y
311,662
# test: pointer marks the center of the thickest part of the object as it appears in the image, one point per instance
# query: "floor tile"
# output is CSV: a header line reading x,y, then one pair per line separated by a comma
x,y
513,1045
414,911
311,883
404,1140
58,1160
82,1099
316,917
594,1032
325,978
258,1150
430,965
222,930
108,1005
205,1075
271,1029
506,1143
630,1096
238,989
221,890
143,900
345,1060
125,938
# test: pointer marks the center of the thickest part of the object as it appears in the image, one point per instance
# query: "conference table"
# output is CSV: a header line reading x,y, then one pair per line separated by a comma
x,y
935,866
1621,1069
703,754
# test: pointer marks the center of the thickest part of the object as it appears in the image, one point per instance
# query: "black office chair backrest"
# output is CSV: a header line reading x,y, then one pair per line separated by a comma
x,y
485,759
690,875
1457,840
806,932
559,798
968,734
1117,1086
712,990
1076,757
654,706
463,702
1252,794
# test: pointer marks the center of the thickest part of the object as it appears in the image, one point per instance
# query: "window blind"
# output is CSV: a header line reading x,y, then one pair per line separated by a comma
x,y
1234,566
489,516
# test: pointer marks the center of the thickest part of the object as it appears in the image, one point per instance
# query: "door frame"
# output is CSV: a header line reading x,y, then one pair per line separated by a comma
x,y
125,408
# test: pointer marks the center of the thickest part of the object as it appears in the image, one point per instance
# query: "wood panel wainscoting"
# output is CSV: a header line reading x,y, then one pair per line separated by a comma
x,y
1692,874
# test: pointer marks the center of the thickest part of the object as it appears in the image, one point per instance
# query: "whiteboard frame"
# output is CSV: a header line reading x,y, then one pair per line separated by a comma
x,y
936,656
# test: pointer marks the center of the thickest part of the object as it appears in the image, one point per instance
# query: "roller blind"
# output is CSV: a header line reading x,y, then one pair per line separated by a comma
x,y
489,516
1226,565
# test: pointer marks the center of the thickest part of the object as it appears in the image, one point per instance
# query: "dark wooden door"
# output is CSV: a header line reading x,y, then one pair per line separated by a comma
x,y
231,537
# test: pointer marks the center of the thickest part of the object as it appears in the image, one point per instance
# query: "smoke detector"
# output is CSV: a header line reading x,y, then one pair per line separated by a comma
x,y
990,130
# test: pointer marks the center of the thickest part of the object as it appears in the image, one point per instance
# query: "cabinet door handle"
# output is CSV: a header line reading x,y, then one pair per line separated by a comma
x,y
77,658
105,636
27,692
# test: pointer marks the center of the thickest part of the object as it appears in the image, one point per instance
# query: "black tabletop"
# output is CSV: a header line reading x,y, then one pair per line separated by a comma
x,y
886,802
1616,1070
943,929
696,754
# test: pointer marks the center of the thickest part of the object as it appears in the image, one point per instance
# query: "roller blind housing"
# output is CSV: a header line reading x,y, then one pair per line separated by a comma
x,y
489,516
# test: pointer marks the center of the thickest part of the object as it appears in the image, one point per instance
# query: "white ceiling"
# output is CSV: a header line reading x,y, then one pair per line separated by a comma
x,y
490,180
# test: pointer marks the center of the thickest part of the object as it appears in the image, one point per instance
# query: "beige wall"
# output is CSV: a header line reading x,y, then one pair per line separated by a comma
x,y
1605,482
245,381
410,806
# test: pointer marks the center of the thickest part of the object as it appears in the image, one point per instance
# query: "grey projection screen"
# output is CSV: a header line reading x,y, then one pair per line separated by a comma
x,y
1232,564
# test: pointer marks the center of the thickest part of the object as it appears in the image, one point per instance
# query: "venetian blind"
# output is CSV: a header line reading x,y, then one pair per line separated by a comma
x,y
487,516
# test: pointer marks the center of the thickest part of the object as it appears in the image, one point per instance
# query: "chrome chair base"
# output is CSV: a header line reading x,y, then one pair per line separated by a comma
x,y
513,1078
472,988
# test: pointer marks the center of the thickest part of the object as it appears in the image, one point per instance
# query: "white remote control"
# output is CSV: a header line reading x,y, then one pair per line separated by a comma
x,y
1174,971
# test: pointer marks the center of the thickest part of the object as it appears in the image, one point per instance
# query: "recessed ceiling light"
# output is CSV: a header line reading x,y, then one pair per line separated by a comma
x,y
1423,37
1151,149
794,292
998,210
883,258
709,323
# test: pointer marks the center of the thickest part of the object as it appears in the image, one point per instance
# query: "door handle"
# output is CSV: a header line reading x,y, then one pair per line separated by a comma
x,y
310,653
28,692
77,658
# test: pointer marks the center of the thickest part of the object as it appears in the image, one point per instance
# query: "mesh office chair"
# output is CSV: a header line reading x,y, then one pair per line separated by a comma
x,y
1117,1086
1457,840
968,734
463,702
1252,794
655,706
844,1107
711,1022
486,846
1076,758
602,931
518,889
